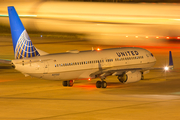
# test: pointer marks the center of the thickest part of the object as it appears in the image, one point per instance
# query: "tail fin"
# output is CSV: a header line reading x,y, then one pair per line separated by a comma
x,y
22,44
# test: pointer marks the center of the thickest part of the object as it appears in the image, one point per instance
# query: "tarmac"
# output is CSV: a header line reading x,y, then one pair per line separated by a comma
x,y
156,97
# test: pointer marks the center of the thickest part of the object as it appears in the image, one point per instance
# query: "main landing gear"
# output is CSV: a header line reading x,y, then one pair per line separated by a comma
x,y
100,84
142,76
68,83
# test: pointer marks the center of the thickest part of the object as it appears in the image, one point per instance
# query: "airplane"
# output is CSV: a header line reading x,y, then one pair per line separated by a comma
x,y
129,64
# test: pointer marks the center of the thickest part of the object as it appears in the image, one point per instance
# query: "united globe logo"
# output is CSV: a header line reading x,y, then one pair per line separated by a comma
x,y
24,47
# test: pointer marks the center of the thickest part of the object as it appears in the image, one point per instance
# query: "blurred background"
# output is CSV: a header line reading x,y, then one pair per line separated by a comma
x,y
103,22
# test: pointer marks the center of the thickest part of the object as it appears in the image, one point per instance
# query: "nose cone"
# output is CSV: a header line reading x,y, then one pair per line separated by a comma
x,y
150,56
154,60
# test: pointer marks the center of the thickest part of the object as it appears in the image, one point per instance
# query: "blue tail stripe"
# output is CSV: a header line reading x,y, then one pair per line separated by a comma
x,y
16,25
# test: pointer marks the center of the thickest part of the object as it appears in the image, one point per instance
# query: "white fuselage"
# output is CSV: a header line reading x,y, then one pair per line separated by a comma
x,y
85,64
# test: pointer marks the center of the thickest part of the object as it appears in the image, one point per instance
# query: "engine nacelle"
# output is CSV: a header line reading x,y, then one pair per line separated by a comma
x,y
130,77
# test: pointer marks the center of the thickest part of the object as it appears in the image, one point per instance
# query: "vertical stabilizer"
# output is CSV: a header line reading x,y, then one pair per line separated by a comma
x,y
23,47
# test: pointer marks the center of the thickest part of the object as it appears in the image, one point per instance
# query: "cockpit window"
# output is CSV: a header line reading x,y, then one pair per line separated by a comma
x,y
152,55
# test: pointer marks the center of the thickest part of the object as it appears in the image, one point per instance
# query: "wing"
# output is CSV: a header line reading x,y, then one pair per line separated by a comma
x,y
116,72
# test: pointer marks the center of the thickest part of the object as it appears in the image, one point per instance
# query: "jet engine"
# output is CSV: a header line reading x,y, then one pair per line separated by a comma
x,y
130,76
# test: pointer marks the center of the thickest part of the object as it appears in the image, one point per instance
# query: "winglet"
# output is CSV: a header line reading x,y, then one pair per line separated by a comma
x,y
171,65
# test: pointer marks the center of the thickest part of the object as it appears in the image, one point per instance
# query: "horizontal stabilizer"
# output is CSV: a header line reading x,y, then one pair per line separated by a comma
x,y
5,61
42,52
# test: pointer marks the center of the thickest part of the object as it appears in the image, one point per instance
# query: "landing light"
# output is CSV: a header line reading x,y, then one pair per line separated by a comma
x,y
98,49
166,68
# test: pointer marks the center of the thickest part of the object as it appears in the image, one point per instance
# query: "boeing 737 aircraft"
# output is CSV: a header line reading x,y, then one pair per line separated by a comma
x,y
129,64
